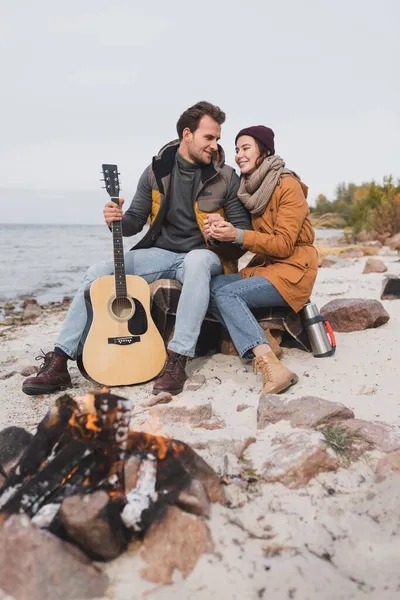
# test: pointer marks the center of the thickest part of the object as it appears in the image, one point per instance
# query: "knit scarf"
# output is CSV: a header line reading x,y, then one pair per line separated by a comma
x,y
256,190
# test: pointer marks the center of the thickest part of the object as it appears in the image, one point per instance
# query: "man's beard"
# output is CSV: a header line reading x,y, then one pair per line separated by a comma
x,y
199,157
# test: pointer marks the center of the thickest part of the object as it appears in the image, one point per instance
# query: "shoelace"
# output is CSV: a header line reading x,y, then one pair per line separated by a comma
x,y
171,365
46,360
261,365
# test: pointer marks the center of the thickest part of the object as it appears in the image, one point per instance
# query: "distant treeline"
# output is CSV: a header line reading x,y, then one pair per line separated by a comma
x,y
369,206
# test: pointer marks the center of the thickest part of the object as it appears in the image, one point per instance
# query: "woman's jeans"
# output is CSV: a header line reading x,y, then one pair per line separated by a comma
x,y
193,269
232,298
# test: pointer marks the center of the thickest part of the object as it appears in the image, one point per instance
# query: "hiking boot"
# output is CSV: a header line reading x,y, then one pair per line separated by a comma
x,y
276,378
52,376
173,376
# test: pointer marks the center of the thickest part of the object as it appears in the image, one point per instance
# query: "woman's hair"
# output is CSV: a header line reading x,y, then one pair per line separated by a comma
x,y
264,152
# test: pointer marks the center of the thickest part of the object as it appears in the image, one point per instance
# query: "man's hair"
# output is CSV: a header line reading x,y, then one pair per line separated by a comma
x,y
191,117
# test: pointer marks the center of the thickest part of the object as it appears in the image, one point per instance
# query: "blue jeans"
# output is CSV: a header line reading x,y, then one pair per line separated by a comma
x,y
193,269
232,297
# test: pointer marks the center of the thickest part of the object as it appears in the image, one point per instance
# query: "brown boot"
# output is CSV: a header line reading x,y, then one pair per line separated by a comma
x,y
173,376
53,376
276,378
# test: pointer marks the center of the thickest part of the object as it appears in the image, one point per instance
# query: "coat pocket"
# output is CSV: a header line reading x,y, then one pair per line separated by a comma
x,y
293,274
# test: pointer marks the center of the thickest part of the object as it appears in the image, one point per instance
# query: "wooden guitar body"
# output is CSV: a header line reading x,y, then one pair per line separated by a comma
x,y
121,344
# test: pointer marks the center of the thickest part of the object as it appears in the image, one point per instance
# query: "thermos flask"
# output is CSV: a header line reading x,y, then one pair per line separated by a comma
x,y
319,331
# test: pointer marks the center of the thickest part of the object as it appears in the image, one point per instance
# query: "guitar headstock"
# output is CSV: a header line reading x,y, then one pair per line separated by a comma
x,y
111,181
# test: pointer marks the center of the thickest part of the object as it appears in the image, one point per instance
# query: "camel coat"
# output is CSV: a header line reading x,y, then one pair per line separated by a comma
x,y
282,241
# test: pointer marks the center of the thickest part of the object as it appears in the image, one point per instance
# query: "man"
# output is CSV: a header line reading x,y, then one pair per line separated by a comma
x,y
186,182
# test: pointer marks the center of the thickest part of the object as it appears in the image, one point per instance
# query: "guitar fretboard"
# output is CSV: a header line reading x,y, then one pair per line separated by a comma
x,y
119,262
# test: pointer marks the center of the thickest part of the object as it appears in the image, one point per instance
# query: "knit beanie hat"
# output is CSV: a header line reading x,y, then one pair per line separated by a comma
x,y
262,134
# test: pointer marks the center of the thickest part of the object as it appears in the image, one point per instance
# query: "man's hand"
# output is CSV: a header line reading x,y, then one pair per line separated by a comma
x,y
223,231
213,218
112,212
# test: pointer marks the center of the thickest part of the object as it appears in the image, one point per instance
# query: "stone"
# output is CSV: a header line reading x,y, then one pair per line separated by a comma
x,y
242,407
13,442
334,261
194,499
366,236
388,465
195,382
295,458
161,398
354,314
394,242
29,370
352,253
225,446
7,375
175,542
31,311
199,469
374,265
191,414
93,523
304,412
36,565
391,288
383,436
374,244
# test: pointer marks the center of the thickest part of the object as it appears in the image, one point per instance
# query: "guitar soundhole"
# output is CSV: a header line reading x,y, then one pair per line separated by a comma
x,y
122,308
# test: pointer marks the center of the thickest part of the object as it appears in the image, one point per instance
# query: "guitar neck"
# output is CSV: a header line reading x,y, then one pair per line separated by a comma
x,y
119,262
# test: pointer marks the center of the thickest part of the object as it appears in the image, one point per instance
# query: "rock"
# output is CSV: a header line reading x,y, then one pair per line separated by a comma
x,y
7,375
161,398
383,436
225,446
36,565
176,542
391,288
374,244
394,242
334,261
197,468
93,523
366,236
297,457
13,442
305,412
374,265
387,465
354,314
352,253
28,301
194,499
195,382
31,311
383,237
242,407
29,370
191,414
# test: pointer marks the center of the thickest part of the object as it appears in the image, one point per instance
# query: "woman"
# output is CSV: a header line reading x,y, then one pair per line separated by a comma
x,y
285,266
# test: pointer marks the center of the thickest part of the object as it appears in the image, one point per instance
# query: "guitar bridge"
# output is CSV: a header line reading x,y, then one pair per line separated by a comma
x,y
124,340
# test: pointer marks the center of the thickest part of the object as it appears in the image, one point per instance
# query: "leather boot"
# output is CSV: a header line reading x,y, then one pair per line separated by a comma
x,y
52,376
276,378
173,376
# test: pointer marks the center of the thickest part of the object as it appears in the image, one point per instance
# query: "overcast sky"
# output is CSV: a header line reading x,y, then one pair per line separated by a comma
x,y
88,81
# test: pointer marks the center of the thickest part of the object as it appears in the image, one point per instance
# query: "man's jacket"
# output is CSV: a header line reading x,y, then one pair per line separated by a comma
x,y
216,193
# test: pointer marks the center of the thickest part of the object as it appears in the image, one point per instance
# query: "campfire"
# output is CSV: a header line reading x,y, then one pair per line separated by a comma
x,y
89,479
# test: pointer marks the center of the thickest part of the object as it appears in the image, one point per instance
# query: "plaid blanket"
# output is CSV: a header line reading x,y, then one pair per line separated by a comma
x,y
164,301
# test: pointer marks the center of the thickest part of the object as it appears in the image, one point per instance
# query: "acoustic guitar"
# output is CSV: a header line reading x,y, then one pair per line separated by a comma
x,y
121,344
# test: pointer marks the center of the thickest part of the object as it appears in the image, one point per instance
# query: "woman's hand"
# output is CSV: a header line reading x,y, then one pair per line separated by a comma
x,y
112,212
211,219
223,231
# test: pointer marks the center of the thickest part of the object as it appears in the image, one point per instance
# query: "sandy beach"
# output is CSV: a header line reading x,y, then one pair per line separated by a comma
x,y
337,537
